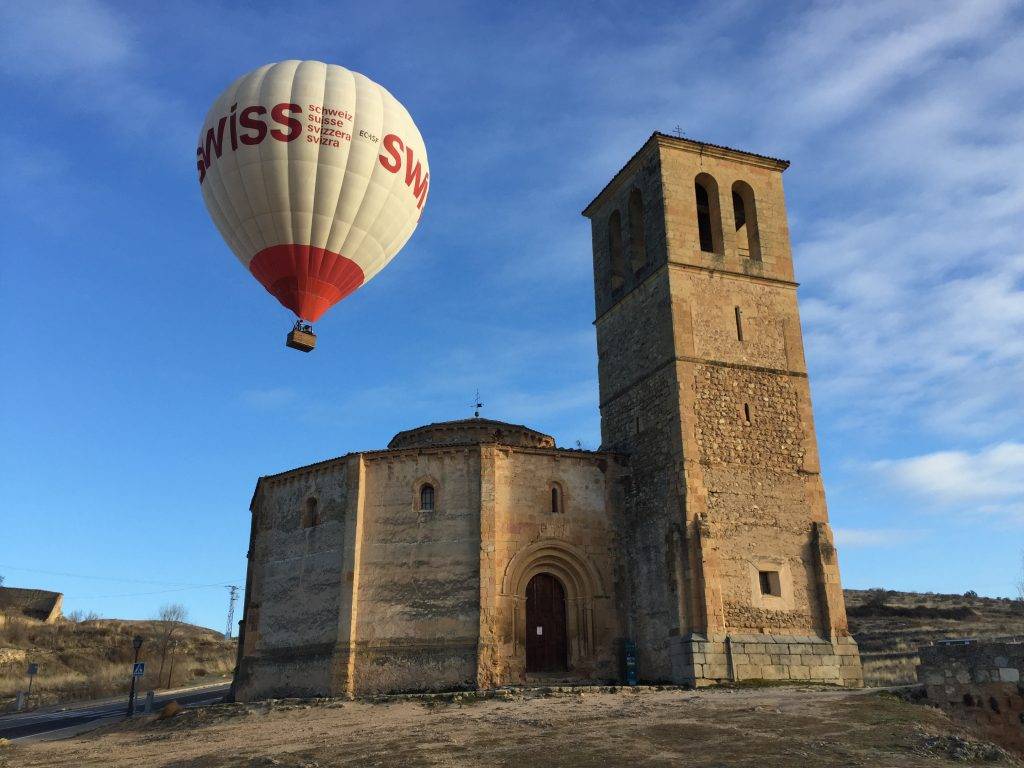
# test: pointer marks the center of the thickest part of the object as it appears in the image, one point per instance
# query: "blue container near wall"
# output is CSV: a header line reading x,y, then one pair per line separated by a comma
x,y
629,661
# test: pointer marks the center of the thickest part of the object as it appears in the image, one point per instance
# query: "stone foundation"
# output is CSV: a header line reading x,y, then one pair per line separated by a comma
x,y
980,683
707,660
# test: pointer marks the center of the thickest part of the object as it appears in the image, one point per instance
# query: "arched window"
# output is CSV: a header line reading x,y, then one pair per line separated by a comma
x,y
556,499
427,498
709,216
618,263
311,514
744,208
637,245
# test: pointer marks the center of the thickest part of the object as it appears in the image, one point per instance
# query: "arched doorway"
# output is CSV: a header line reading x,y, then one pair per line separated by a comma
x,y
545,625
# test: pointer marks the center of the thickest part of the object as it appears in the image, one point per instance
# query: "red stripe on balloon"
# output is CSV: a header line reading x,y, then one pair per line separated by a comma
x,y
305,279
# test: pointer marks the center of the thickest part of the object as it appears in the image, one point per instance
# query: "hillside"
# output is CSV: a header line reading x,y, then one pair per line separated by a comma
x,y
890,626
91,659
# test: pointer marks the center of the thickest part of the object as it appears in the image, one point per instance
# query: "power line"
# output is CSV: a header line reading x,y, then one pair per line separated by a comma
x,y
111,578
141,594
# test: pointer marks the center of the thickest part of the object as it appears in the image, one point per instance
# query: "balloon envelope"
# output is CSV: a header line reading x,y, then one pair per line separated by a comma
x,y
315,176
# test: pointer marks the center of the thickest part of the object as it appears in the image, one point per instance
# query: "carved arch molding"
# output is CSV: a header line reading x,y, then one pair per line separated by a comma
x,y
581,581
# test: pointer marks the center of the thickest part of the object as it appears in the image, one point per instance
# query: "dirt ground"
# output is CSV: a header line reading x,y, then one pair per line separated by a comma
x,y
790,726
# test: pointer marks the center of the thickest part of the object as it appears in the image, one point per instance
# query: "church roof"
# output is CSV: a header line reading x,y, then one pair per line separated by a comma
x,y
475,430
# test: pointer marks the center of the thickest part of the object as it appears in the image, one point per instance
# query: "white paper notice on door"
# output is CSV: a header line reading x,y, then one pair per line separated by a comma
x,y
540,630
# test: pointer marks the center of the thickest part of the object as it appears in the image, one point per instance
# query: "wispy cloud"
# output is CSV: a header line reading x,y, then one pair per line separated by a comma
x,y
69,38
269,398
876,537
91,57
988,482
996,472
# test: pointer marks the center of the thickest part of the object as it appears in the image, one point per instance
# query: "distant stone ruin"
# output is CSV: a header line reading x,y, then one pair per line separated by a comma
x,y
37,604
979,682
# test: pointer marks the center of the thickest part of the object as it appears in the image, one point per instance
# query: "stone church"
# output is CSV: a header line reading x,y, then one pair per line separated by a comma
x,y
696,541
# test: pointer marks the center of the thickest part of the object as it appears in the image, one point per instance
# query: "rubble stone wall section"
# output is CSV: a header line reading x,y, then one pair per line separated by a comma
x,y
979,682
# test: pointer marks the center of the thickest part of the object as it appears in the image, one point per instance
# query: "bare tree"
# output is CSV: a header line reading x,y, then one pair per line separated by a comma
x,y
171,617
1020,581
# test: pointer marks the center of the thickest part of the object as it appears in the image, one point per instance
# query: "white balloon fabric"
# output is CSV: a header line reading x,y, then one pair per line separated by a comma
x,y
315,176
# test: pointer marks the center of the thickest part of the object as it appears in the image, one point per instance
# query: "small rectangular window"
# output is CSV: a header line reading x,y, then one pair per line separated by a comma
x,y
770,583
739,324
311,515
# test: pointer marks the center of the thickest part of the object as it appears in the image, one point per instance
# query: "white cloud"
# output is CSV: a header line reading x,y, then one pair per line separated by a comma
x,y
993,473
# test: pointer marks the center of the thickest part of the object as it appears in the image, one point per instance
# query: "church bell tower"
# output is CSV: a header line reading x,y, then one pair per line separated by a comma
x,y
727,570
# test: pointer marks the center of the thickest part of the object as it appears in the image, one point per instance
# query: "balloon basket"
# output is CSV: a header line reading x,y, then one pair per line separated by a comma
x,y
301,338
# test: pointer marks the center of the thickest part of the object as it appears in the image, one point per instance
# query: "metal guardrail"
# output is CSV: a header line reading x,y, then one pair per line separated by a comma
x,y
972,640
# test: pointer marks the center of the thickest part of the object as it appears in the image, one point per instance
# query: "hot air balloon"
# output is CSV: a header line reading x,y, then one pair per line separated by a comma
x,y
316,177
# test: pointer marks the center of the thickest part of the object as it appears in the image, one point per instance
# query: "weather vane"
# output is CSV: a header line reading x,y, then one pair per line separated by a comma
x,y
476,405
678,131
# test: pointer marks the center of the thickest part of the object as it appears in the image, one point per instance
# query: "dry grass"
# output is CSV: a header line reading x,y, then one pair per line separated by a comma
x,y
91,659
891,626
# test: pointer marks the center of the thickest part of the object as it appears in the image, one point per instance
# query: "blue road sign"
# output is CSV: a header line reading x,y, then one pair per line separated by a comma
x,y
138,669
33,669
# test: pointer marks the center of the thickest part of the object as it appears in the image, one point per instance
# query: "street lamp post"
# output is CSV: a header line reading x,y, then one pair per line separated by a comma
x,y
136,643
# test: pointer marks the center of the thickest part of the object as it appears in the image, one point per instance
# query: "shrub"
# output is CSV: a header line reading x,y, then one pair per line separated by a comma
x,y
876,598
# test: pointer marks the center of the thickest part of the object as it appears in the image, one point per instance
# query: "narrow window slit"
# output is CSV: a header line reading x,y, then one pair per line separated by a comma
x,y
556,499
427,498
739,324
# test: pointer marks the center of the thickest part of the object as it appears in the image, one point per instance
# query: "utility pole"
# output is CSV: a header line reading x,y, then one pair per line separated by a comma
x,y
231,611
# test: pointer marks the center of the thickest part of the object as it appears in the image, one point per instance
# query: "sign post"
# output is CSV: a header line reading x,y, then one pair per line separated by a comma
x,y
138,670
33,670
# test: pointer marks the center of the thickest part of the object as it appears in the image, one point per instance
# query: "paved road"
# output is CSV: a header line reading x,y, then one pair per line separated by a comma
x,y
41,722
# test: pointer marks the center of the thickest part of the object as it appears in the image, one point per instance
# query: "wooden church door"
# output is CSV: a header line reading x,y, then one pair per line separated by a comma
x,y
545,625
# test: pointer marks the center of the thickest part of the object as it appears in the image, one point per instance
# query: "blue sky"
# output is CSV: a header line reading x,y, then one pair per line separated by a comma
x,y
145,382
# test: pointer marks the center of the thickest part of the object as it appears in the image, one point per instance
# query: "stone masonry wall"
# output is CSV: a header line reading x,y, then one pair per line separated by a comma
x,y
418,599
291,626
756,499
39,604
980,683
522,535
705,351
